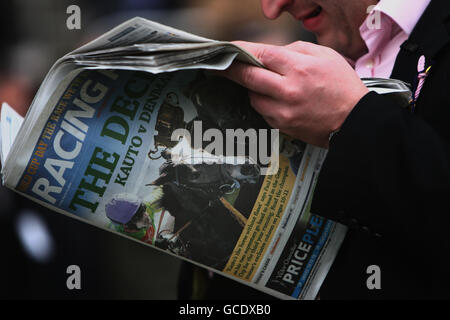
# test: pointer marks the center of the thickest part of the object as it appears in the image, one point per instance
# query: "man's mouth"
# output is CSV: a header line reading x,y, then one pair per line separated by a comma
x,y
311,13
311,19
314,13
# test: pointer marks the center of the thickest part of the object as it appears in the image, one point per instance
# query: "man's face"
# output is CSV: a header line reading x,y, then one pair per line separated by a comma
x,y
335,22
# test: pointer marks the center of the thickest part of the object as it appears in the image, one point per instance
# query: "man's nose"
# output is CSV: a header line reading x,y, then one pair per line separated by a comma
x,y
273,8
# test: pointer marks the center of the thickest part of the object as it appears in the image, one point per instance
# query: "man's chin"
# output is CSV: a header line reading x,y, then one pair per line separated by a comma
x,y
342,44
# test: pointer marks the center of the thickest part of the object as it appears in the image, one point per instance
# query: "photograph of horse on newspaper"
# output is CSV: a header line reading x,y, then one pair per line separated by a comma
x,y
203,196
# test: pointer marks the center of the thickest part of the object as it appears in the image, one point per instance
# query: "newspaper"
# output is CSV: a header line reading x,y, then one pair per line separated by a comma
x,y
124,134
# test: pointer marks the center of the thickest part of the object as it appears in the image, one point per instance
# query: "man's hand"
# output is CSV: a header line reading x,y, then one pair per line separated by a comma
x,y
307,91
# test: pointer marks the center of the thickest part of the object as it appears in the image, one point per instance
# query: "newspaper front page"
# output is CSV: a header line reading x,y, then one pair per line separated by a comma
x,y
104,153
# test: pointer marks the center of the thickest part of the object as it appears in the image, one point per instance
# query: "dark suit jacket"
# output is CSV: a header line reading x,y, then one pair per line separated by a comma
x,y
387,176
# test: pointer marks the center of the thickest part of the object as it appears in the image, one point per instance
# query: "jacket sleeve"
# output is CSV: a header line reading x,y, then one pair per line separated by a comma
x,y
387,171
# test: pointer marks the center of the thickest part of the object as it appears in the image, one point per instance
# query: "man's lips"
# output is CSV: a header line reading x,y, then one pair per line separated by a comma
x,y
311,13
311,19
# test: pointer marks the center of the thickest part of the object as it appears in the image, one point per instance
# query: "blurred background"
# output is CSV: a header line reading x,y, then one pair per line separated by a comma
x,y
37,245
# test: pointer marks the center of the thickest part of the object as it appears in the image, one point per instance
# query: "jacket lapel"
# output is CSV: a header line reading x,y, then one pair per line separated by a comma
x,y
429,36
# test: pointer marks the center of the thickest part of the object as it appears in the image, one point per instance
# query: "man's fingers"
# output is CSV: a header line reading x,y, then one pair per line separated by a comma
x,y
275,58
254,78
276,115
264,105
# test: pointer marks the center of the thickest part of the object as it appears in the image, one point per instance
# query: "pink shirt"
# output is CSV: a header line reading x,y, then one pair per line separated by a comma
x,y
387,26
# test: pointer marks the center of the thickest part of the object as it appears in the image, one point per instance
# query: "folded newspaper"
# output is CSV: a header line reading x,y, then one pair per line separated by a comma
x,y
130,134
